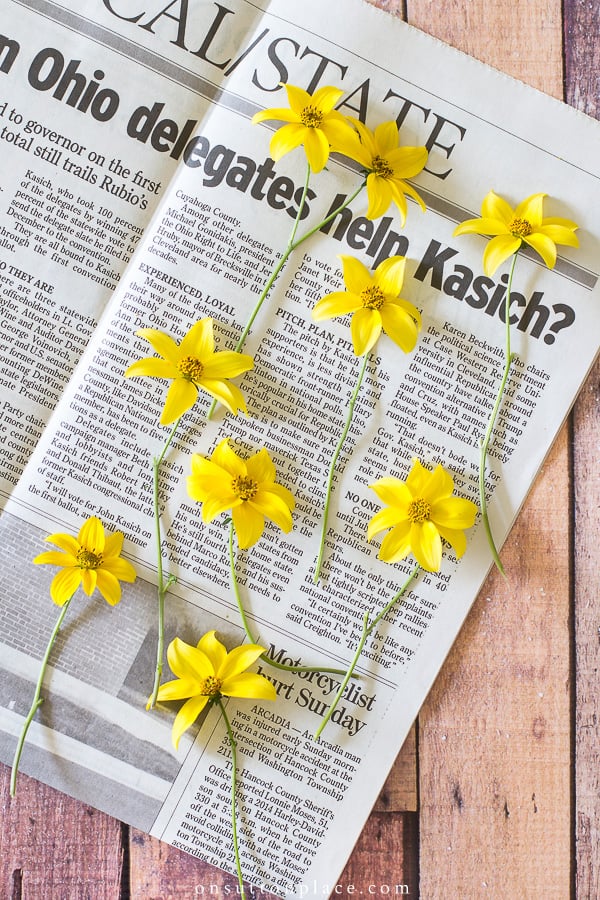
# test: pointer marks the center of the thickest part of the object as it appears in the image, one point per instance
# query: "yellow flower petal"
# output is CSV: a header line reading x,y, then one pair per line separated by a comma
x,y
89,580
498,250
338,303
55,558
298,98
199,342
228,394
119,568
393,492
531,209
457,539
426,546
64,584
249,685
379,194
113,544
325,98
210,645
453,512
181,396
238,660
286,139
187,661
399,326
278,115
285,495
389,275
495,207
249,525
164,345
226,457
316,147
439,485
186,716
91,535
365,329
179,689
396,544
261,466
386,137
481,226
65,542
108,584
355,274
560,234
227,364
384,519
544,246
151,367
273,507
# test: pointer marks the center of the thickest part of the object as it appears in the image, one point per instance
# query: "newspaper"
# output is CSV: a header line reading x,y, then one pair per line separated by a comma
x,y
134,193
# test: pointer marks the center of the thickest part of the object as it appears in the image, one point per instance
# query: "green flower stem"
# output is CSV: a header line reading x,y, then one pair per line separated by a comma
x,y
233,746
37,699
292,245
162,586
508,356
367,630
250,636
333,464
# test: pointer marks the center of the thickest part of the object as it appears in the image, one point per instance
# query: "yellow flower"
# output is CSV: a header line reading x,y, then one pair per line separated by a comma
x,y
91,559
311,121
206,673
513,227
375,303
247,488
421,511
388,165
192,364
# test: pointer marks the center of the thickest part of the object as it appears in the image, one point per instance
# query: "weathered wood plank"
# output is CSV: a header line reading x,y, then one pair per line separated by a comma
x,y
582,64
53,847
399,793
385,859
494,736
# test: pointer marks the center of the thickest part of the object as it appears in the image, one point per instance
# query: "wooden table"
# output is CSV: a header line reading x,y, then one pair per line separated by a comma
x,y
496,793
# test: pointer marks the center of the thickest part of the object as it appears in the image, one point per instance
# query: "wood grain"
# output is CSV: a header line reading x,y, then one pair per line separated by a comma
x,y
582,65
54,848
494,736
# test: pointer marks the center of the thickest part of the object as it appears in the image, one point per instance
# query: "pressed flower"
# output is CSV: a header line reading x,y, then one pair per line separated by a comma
x,y
92,560
421,511
191,365
246,487
388,165
206,673
311,121
511,228
375,304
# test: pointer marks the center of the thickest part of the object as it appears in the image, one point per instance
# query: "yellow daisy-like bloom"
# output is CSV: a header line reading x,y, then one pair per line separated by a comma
x,y
374,301
513,227
246,487
207,672
420,512
387,165
192,364
91,560
311,121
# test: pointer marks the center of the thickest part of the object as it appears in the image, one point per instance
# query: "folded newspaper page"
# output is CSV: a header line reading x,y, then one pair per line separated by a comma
x,y
136,193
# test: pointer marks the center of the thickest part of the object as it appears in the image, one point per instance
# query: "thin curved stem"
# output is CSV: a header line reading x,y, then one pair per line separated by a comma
x,y
250,636
367,630
292,245
162,586
333,464
37,699
233,746
508,358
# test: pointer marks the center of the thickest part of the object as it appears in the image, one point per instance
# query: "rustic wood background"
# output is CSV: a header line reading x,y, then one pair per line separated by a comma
x,y
497,790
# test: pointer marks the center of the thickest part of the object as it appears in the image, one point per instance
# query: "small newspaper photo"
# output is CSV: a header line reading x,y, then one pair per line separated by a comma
x,y
295,300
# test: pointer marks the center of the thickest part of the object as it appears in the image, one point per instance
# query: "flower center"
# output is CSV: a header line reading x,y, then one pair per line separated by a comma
x,y
381,167
87,559
419,511
244,487
211,686
372,297
190,368
520,228
311,117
